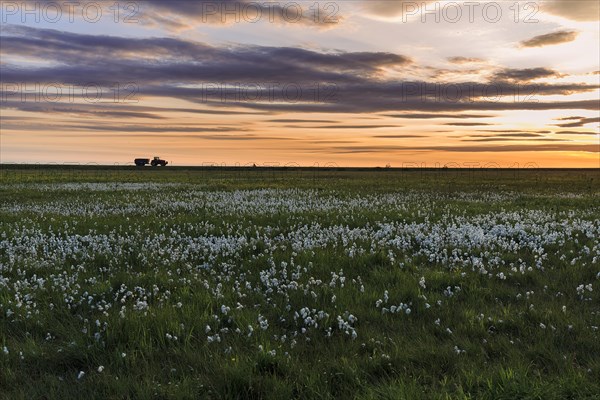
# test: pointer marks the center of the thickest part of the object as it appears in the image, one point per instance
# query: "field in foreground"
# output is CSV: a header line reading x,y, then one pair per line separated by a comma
x,y
299,284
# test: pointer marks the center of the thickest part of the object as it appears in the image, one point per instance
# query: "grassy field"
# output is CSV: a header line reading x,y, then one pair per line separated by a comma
x,y
283,283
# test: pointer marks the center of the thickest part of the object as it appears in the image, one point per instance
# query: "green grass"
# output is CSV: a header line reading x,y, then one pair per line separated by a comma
x,y
507,354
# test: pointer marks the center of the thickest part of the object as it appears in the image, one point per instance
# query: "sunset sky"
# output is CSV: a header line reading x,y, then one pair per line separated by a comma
x,y
352,83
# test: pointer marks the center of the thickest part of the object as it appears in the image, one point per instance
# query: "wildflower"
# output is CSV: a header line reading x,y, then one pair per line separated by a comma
x,y
80,375
215,338
263,322
100,369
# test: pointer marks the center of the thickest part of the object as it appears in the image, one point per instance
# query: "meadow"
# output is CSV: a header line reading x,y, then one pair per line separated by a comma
x,y
285,283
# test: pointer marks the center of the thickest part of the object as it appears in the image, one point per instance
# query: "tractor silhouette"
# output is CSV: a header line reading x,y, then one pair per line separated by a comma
x,y
156,161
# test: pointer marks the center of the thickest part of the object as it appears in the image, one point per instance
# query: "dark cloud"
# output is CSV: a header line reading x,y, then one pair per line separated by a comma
x,y
73,48
503,139
392,103
356,61
465,60
175,136
344,126
109,109
79,111
440,74
590,148
509,135
377,96
265,79
185,13
329,141
238,137
568,118
179,15
576,133
508,131
550,39
580,123
293,121
122,128
117,114
498,130
524,75
467,124
151,128
434,116
397,136
104,59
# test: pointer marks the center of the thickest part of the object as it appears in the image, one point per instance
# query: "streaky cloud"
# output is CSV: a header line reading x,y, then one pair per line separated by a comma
x,y
550,39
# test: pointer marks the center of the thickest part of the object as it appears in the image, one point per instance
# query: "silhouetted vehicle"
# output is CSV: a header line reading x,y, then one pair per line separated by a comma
x,y
156,161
